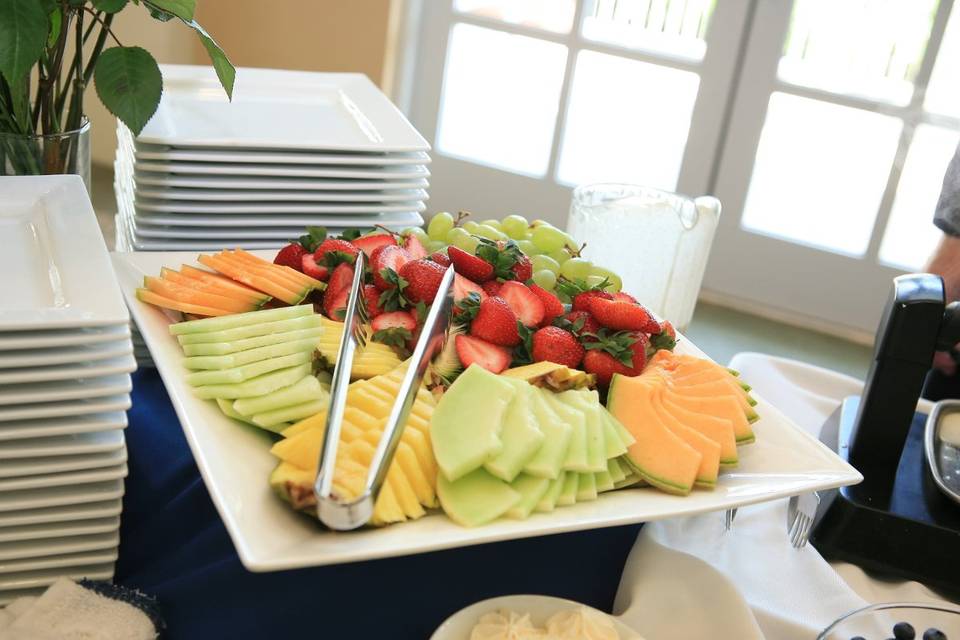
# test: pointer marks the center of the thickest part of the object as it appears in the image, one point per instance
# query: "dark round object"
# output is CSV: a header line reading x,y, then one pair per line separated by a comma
x,y
904,631
934,634
858,638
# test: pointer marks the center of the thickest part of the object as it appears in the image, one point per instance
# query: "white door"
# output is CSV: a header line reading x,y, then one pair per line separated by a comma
x,y
524,99
844,120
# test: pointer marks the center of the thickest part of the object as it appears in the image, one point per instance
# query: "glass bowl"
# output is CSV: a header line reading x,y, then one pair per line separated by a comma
x,y
876,622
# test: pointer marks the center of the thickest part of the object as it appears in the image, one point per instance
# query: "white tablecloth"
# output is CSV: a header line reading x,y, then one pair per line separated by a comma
x,y
688,578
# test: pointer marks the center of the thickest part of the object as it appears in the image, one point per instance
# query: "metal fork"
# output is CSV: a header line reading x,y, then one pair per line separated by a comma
x,y
801,512
728,519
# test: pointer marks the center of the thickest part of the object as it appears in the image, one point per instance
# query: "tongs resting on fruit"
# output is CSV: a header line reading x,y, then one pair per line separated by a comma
x,y
332,510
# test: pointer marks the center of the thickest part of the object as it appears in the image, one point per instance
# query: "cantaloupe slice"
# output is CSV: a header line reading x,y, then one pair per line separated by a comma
x,y
720,430
235,290
725,407
531,490
709,449
293,273
183,293
276,289
661,458
475,498
521,435
145,295
276,273
209,278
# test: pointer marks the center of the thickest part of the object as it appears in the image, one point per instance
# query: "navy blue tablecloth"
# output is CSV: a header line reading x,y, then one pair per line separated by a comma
x,y
174,546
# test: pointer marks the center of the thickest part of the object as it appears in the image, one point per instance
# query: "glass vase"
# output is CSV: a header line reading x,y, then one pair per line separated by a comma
x,y
57,153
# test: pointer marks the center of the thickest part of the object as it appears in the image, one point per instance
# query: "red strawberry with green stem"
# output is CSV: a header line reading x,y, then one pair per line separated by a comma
x,y
552,307
524,303
423,280
496,323
394,328
310,267
371,296
553,344
389,258
373,241
622,316
469,266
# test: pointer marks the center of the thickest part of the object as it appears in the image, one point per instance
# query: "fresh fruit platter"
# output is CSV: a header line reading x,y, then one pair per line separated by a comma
x,y
554,389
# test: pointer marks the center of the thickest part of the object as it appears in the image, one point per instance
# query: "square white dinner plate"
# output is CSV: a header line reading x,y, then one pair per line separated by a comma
x,y
270,208
62,479
68,513
143,151
15,340
107,416
235,463
46,577
278,109
64,355
274,221
73,468
120,364
58,390
197,169
236,195
24,549
60,529
70,445
269,184
64,496
56,272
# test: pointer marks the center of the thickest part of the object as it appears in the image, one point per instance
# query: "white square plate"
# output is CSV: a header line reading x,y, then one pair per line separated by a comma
x,y
14,340
220,222
56,272
342,172
227,195
271,208
68,513
64,355
60,529
278,109
269,184
59,390
64,479
19,375
38,468
235,464
62,418
71,445
62,497
55,546
46,577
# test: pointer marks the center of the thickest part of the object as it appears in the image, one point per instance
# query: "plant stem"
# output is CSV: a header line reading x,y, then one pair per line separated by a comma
x,y
64,86
106,24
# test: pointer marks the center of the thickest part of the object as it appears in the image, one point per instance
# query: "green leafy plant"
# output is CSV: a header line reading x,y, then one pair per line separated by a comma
x,y
41,90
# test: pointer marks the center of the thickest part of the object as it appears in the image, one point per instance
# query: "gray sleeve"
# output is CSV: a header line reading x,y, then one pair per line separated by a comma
x,y
947,216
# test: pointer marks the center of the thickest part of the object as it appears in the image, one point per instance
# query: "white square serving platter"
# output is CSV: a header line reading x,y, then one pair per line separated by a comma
x,y
235,464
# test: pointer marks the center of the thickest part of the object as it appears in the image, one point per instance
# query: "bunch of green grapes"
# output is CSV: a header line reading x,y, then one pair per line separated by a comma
x,y
552,251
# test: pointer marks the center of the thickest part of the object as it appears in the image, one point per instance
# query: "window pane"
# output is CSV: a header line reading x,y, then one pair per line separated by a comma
x,y
820,173
870,48
910,235
550,15
943,92
499,101
627,121
662,26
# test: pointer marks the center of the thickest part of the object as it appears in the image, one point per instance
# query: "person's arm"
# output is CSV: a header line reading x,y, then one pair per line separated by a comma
x,y
945,261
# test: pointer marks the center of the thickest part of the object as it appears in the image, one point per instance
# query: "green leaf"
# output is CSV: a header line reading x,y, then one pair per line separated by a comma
x,y
129,84
56,22
109,6
221,64
23,36
183,9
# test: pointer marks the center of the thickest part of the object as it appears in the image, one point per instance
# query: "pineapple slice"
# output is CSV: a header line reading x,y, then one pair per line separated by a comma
x,y
553,376
373,360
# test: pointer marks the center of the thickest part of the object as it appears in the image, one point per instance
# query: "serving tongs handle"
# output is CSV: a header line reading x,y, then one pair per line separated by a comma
x,y
346,515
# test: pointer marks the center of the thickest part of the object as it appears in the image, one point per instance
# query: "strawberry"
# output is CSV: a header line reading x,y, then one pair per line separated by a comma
x,y
581,322
503,256
462,287
291,256
309,266
440,258
581,302
496,323
372,297
394,320
666,327
639,349
469,266
369,243
552,307
335,301
472,350
603,365
624,297
341,278
492,287
414,247
423,279
334,251
522,268
665,338
525,304
388,258
623,316
553,344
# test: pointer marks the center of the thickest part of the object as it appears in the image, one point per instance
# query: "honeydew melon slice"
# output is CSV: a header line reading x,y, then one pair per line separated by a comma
x,y
520,434
477,497
586,487
236,334
259,386
249,344
239,359
548,461
531,490
604,481
466,424
593,422
240,319
226,406
576,459
616,439
306,389
617,474
568,495
549,500
277,420
248,371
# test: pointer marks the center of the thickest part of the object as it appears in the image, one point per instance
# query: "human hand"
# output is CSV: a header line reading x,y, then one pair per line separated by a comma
x,y
944,362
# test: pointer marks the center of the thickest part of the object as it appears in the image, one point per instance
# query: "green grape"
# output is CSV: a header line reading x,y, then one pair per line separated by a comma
x,y
440,225
545,262
515,226
470,226
569,241
470,244
548,238
537,222
594,281
486,231
576,269
560,255
615,282
435,245
492,222
545,278
420,234
456,236
528,247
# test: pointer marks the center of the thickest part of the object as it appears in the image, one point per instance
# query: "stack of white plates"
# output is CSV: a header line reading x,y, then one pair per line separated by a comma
x,y
65,364
292,149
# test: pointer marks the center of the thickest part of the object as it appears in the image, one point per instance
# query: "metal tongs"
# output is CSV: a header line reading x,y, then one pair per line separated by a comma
x,y
333,511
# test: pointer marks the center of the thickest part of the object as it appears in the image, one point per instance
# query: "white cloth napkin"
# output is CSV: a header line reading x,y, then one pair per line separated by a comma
x,y
688,578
